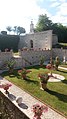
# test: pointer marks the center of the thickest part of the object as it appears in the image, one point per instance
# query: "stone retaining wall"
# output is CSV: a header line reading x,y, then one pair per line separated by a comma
x,y
8,110
30,57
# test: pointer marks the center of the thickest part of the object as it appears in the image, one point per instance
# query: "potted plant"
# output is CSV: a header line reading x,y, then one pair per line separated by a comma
x,y
38,110
10,65
6,87
50,66
44,79
57,62
23,72
41,61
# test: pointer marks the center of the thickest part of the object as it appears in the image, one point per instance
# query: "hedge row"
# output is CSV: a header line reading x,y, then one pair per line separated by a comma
x,y
9,42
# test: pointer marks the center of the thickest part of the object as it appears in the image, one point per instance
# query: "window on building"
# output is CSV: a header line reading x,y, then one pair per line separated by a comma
x,y
31,43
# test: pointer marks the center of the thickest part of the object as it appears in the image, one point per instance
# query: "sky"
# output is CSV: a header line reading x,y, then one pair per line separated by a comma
x,y
21,12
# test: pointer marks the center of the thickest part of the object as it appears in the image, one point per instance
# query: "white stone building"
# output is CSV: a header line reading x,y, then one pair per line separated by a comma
x,y
39,40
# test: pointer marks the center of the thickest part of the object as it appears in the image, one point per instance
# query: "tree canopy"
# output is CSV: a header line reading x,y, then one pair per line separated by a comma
x,y
16,29
44,23
9,28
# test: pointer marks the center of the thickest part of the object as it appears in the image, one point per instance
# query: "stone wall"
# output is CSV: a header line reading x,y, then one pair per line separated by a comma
x,y
5,56
31,57
8,110
61,53
40,40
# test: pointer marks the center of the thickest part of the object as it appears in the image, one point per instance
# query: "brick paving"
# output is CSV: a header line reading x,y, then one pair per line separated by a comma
x,y
28,101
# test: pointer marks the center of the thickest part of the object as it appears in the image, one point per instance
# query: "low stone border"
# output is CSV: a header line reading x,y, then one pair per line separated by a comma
x,y
56,78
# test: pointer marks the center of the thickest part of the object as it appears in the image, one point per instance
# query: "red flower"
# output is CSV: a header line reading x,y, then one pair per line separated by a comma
x,y
43,77
6,86
24,71
39,109
49,66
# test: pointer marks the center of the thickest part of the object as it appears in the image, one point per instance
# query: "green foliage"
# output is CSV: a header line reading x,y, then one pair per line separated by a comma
x,y
57,62
18,30
9,41
9,28
42,60
44,23
43,77
11,63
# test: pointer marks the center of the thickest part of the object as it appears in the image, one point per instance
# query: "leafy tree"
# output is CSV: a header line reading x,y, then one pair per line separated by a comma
x,y
9,28
15,29
43,23
20,30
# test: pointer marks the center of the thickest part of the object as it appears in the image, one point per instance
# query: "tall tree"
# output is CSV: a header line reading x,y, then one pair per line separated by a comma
x,y
20,30
43,23
9,28
15,29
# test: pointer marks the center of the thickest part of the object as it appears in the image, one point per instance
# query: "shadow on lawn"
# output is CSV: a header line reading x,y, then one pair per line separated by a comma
x,y
61,97
14,74
31,81
64,81
37,67
62,71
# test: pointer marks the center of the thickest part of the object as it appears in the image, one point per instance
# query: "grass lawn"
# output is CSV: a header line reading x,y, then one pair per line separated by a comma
x,y
56,97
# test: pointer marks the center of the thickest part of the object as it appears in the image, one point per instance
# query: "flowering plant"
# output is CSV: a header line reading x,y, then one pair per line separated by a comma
x,y
23,72
38,110
50,67
6,86
43,77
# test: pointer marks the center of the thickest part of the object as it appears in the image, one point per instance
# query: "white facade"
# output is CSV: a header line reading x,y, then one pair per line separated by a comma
x,y
39,40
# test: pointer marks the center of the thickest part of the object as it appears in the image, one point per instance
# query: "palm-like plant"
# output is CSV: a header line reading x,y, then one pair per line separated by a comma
x,y
10,65
23,72
9,29
57,62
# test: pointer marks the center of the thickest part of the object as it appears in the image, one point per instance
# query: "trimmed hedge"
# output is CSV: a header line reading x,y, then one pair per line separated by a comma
x,y
9,41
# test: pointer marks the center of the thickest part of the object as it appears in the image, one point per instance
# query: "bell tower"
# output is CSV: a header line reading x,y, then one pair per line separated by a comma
x,y
31,27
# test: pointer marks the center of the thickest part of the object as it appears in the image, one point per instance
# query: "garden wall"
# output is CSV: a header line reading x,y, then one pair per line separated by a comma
x,y
61,53
29,57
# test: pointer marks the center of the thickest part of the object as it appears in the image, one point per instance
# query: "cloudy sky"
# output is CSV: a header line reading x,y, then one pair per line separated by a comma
x,y
21,12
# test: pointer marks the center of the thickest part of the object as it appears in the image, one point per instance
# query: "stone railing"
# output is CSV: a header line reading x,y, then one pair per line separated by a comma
x,y
8,110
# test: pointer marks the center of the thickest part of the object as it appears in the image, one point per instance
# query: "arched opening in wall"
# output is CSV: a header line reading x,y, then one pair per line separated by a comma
x,y
31,43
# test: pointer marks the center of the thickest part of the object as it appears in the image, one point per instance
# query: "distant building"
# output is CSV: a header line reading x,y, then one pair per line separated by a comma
x,y
39,40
